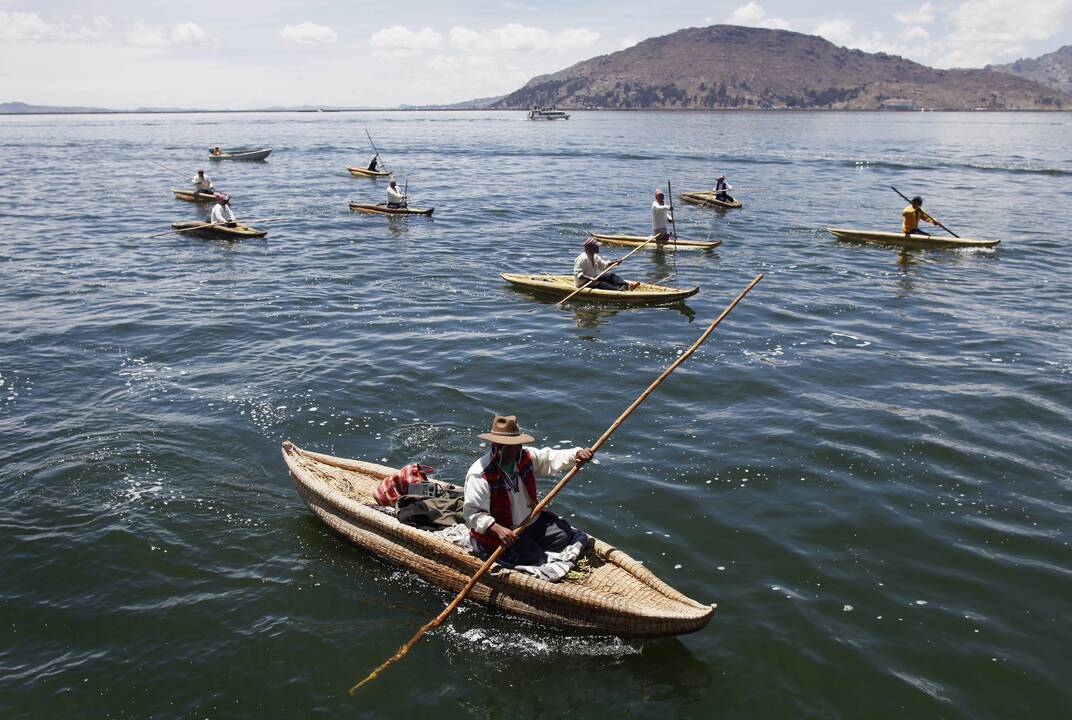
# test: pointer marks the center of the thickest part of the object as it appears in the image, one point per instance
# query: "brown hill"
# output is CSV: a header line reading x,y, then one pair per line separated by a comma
x,y
1053,70
727,66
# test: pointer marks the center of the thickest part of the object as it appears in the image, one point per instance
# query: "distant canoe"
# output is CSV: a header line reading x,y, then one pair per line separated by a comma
x,y
191,196
239,232
562,285
382,209
891,238
707,198
365,172
637,240
241,154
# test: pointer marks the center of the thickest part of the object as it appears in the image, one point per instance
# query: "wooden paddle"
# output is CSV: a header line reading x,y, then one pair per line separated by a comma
x,y
673,222
438,619
208,225
928,214
377,151
613,265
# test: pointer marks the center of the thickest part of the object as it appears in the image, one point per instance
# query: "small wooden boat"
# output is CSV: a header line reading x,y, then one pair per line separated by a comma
x,y
562,285
707,199
238,232
611,594
192,196
241,154
382,209
637,240
900,239
365,172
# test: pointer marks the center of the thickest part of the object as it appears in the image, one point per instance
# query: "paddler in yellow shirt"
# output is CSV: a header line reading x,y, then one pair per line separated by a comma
x,y
912,215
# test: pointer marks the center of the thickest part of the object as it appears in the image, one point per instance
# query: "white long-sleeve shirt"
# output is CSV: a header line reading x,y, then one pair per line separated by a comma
x,y
222,213
590,267
477,505
202,184
660,215
394,195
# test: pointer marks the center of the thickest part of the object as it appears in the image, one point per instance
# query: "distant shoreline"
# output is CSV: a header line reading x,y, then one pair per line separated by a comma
x,y
518,110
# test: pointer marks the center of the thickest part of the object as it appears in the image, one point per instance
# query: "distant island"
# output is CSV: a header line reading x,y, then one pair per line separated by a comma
x,y
725,67
1052,69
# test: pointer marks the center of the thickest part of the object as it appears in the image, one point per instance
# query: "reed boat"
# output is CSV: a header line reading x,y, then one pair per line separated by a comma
x,y
382,209
637,240
241,154
238,232
611,594
365,172
902,240
707,199
193,196
562,285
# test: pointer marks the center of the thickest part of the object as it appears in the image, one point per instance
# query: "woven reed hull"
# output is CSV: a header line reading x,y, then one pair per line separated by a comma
x,y
241,232
619,596
562,285
191,196
365,172
637,240
382,209
889,238
242,155
708,199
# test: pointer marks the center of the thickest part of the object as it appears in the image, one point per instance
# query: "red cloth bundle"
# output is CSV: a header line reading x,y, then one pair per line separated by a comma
x,y
394,486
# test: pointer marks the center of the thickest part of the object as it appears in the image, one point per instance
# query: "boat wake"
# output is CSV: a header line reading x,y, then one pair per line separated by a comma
x,y
486,641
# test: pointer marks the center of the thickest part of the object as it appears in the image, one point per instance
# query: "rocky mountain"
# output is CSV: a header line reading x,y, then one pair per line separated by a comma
x,y
727,66
1052,70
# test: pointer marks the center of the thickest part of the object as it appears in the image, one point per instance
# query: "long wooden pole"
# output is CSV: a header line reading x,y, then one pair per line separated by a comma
x,y
613,265
376,149
438,619
927,213
670,192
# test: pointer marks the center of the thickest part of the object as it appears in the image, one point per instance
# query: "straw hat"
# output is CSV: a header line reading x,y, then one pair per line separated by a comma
x,y
505,431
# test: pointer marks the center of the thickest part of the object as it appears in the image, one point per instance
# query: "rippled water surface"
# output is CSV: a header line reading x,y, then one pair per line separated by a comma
x,y
867,467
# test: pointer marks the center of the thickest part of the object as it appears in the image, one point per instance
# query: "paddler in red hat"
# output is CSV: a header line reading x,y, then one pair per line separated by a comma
x,y
500,493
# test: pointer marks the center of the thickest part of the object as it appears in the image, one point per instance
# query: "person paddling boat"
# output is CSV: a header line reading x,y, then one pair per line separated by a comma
x,y
500,494
202,183
660,217
722,189
912,215
588,265
373,164
222,213
395,197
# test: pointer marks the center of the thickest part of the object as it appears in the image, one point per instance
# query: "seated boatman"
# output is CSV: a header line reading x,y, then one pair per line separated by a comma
x,y
589,264
912,215
660,215
500,493
395,198
722,189
222,213
372,165
202,183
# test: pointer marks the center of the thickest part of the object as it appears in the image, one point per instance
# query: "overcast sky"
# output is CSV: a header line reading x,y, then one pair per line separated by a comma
x,y
242,54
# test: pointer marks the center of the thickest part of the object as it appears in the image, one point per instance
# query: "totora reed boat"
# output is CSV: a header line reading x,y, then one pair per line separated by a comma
x,y
562,285
902,240
612,594
365,172
638,240
707,199
238,232
194,195
382,209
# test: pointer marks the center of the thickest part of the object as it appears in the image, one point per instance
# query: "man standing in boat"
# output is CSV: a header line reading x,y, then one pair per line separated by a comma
x,y
660,216
202,183
722,189
395,198
500,493
589,264
912,215
222,213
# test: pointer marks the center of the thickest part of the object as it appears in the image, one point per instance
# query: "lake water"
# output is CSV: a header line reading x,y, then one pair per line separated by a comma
x,y
866,467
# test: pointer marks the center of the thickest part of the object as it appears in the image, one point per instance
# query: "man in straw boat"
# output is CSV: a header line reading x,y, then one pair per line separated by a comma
x,y
374,163
202,183
589,264
395,198
912,215
500,493
722,189
221,211
660,216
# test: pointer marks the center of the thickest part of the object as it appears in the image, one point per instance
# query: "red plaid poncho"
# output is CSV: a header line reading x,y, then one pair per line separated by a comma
x,y
394,486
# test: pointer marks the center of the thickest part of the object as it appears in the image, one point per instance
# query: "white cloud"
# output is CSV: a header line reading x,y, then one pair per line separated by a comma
x,y
754,15
31,26
399,41
922,15
516,37
156,36
986,31
308,33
